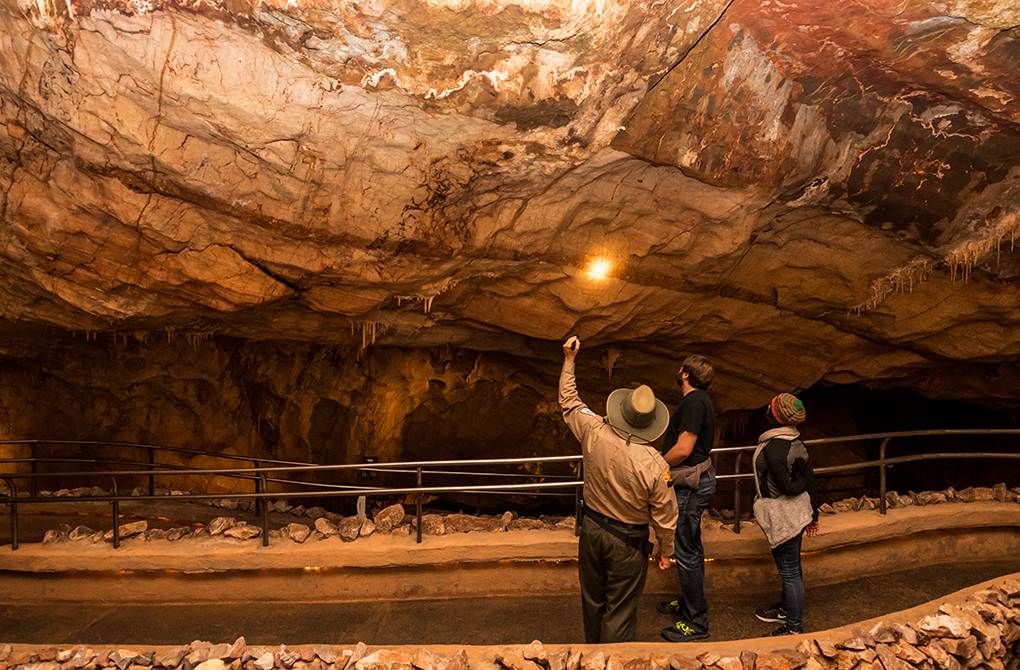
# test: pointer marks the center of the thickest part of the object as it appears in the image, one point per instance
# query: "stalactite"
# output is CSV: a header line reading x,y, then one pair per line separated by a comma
x,y
901,280
196,338
613,356
367,331
425,300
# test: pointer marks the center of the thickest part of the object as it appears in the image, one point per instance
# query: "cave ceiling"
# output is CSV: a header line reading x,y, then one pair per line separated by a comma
x,y
806,192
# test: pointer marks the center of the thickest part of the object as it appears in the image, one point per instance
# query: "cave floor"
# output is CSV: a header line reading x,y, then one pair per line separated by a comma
x,y
502,620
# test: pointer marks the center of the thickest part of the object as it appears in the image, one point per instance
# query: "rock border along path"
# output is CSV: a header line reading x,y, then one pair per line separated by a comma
x,y
395,519
974,629
221,551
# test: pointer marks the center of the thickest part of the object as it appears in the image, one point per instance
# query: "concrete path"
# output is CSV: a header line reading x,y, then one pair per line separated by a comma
x,y
502,620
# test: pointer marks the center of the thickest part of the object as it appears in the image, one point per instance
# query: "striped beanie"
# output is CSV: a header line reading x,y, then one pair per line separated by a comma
x,y
788,409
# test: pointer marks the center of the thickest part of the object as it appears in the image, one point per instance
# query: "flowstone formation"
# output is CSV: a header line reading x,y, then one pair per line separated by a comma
x,y
204,205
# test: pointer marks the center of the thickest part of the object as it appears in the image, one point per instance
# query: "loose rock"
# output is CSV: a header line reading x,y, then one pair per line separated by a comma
x,y
325,526
536,652
243,531
389,518
942,625
350,527
221,524
175,534
211,664
171,658
433,524
80,533
385,659
297,531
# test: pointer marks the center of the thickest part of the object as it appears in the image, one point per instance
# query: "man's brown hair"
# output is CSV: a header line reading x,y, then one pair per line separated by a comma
x,y
699,371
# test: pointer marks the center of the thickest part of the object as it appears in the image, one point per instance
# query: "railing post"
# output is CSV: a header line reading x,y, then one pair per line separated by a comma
x,y
259,502
736,493
13,491
33,484
882,485
264,511
152,477
115,504
417,508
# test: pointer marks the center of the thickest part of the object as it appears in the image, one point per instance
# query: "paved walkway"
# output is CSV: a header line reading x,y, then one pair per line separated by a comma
x,y
502,620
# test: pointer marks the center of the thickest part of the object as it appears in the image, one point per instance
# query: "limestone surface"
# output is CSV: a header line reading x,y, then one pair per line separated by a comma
x,y
306,227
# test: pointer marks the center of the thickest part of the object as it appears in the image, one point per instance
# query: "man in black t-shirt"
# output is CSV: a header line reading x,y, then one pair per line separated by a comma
x,y
686,448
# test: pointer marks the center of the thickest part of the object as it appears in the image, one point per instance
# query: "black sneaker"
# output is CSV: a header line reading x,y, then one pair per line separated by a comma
x,y
681,631
670,607
774,614
785,629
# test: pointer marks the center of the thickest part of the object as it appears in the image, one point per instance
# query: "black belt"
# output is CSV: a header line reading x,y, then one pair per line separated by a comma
x,y
619,530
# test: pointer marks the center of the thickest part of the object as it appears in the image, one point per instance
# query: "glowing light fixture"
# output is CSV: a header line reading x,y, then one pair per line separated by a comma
x,y
599,268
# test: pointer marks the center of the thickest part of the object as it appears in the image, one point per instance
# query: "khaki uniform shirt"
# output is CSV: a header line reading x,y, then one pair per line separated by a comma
x,y
627,482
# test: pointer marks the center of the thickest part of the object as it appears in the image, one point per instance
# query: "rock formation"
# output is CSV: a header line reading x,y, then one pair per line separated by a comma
x,y
300,226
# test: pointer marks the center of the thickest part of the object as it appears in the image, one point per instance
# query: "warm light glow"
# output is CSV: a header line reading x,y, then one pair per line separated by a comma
x,y
599,269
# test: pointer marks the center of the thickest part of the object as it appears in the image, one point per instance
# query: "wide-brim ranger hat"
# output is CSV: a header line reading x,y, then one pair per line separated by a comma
x,y
637,413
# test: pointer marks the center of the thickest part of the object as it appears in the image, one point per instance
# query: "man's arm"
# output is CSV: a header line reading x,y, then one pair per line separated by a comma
x,y
679,452
690,422
663,509
578,417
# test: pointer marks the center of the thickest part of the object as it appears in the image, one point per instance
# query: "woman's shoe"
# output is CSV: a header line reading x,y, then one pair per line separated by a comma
x,y
785,629
774,614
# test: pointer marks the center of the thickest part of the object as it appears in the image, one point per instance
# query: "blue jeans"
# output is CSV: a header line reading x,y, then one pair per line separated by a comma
x,y
690,555
787,557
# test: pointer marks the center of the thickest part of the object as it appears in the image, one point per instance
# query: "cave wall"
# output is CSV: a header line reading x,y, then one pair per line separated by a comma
x,y
281,400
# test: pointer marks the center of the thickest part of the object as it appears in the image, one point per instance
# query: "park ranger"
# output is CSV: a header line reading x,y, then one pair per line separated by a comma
x,y
626,488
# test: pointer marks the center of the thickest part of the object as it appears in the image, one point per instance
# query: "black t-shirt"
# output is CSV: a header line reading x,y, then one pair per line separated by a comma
x,y
694,414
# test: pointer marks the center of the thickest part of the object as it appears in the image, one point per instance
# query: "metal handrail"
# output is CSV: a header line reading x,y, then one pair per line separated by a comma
x,y
886,436
157,447
882,463
260,474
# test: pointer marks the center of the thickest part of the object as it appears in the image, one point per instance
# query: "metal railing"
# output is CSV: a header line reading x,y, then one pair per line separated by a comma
x,y
883,463
262,475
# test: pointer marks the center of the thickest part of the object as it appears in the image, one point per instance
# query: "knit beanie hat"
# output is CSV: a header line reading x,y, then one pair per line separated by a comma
x,y
788,409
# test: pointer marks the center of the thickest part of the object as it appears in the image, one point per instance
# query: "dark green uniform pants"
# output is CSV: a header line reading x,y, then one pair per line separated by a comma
x,y
612,577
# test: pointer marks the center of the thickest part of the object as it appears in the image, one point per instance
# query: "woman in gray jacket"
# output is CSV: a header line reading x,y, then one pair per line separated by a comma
x,y
783,468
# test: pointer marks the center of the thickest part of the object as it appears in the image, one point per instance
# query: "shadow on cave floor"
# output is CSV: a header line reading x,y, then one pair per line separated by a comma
x,y
504,620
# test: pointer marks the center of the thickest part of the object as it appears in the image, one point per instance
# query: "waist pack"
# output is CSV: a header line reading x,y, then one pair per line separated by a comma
x,y
781,518
689,477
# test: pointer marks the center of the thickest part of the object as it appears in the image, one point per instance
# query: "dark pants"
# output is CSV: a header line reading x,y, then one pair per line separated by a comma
x,y
612,576
787,557
690,555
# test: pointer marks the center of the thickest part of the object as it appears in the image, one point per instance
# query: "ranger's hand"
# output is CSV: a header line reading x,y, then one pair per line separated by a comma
x,y
571,347
812,529
664,562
